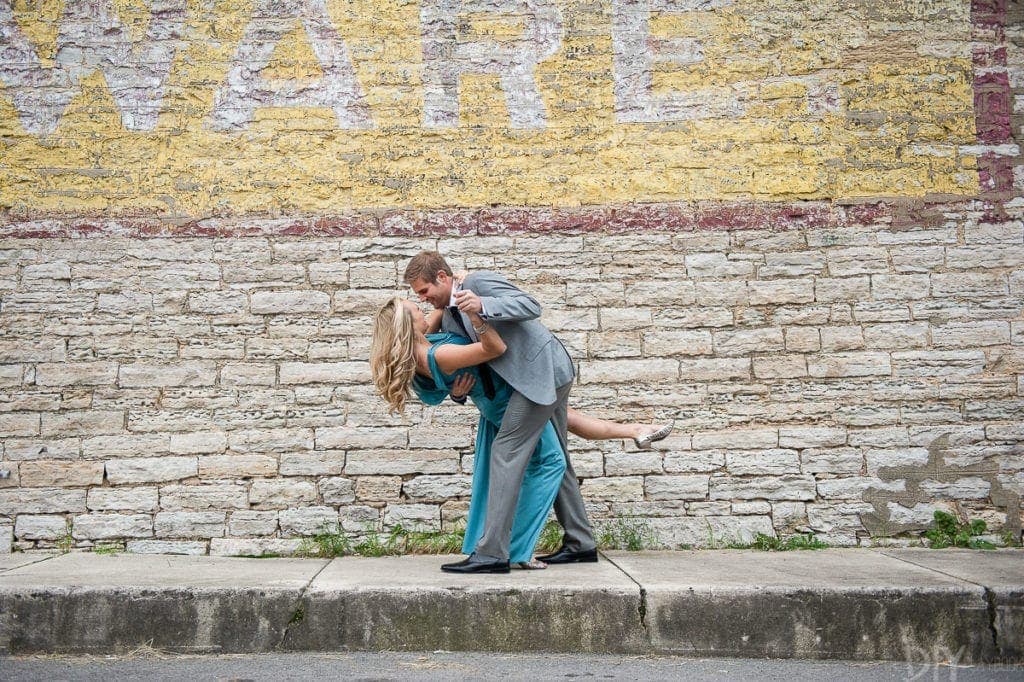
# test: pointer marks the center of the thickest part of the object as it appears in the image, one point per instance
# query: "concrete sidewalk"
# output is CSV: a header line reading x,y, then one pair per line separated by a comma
x,y
921,605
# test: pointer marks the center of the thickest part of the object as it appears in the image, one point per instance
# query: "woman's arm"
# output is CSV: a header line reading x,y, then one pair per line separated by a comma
x,y
451,357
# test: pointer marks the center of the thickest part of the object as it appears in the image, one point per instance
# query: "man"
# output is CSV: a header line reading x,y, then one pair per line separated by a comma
x,y
538,368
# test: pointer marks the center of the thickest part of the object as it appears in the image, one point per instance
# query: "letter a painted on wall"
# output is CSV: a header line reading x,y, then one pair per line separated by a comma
x,y
446,57
244,89
90,37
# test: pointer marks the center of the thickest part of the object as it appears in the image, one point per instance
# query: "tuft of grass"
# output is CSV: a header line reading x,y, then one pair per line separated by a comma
x,y
631,534
771,543
429,542
329,542
1011,539
107,549
550,539
65,542
949,532
373,544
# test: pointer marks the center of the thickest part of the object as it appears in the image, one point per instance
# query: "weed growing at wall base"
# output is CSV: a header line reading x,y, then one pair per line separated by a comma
x,y
948,532
629,533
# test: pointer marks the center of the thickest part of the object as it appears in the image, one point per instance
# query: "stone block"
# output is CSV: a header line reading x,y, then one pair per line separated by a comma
x,y
324,373
748,341
613,488
164,375
835,289
140,499
786,487
837,460
246,523
676,487
669,343
111,526
437,488
811,436
188,547
270,440
355,437
419,517
619,371
336,490
971,334
849,337
399,462
849,365
714,369
150,469
308,520
31,527
281,493
896,335
189,524
60,473
15,501
315,463
780,367
633,463
736,439
378,488
236,466
204,497
767,461
900,287
780,292
289,302
695,461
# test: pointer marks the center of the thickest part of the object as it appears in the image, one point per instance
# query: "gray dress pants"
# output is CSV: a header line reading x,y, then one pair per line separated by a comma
x,y
517,438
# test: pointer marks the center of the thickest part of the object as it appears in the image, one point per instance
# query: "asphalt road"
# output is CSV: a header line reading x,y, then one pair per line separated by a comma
x,y
150,665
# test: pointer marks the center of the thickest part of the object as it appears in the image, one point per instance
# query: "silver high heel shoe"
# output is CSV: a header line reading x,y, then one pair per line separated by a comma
x,y
644,442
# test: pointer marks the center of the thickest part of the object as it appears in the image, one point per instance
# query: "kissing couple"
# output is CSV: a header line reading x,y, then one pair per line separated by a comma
x,y
484,341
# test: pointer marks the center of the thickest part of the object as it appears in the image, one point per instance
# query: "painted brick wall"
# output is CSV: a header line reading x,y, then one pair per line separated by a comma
x,y
795,228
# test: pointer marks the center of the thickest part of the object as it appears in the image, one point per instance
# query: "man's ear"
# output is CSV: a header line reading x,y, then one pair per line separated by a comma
x,y
442,277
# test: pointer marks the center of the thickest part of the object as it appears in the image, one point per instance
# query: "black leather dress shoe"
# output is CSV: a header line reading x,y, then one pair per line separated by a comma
x,y
475,564
567,556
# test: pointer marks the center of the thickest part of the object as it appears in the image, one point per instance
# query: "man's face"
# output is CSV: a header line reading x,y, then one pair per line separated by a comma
x,y
437,294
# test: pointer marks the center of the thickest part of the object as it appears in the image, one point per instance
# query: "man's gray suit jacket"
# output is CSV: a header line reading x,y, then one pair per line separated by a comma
x,y
535,363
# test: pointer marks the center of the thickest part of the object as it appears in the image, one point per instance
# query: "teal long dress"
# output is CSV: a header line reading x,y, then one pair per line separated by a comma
x,y
543,473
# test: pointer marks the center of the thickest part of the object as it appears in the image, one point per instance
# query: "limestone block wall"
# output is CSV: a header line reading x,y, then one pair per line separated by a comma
x,y
797,229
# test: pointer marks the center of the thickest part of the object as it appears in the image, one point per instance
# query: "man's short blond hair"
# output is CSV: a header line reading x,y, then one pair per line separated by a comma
x,y
425,265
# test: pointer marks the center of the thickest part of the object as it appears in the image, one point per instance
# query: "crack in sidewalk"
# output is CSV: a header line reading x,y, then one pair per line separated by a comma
x,y
298,614
31,563
990,598
642,607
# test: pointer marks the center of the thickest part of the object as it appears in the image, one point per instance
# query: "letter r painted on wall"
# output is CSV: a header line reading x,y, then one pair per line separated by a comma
x,y
244,89
447,55
636,52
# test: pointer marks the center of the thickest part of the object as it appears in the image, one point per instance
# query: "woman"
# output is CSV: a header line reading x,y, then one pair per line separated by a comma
x,y
404,358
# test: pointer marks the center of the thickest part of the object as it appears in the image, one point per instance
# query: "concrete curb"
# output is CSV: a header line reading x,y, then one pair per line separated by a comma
x,y
923,606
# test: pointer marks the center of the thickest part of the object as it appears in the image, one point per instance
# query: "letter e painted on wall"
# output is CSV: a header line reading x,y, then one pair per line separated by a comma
x,y
635,54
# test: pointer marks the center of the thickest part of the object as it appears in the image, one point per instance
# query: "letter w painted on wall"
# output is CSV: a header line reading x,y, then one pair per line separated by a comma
x,y
90,37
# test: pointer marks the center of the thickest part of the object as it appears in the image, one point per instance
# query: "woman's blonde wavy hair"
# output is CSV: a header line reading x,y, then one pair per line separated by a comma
x,y
392,360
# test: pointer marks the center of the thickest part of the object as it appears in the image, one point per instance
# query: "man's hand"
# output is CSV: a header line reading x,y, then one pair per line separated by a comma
x,y
468,302
462,385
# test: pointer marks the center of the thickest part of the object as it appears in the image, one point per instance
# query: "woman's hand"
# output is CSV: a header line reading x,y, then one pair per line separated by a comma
x,y
462,385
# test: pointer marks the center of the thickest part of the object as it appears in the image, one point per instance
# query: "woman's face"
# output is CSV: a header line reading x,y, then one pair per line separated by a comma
x,y
419,322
